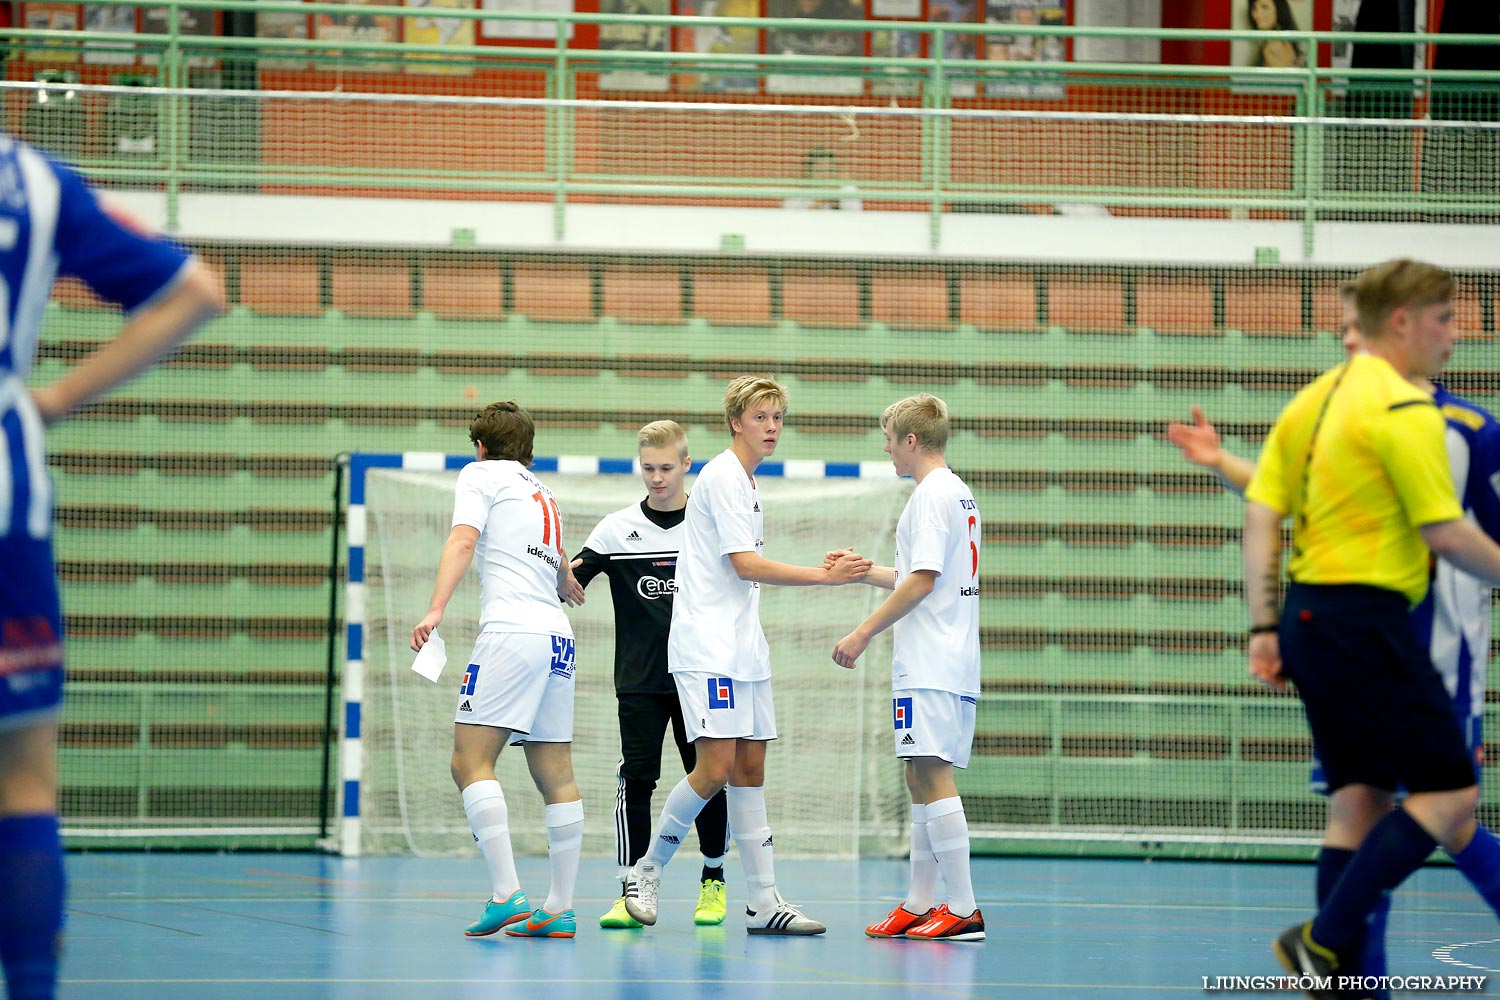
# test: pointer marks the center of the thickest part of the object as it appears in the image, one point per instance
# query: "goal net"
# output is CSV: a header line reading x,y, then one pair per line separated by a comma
x,y
833,787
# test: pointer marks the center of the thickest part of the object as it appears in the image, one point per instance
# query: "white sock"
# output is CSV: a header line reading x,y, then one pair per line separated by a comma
x,y
949,832
564,844
676,819
712,863
752,833
484,804
924,864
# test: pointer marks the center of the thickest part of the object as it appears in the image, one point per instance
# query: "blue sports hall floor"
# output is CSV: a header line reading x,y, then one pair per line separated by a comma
x,y
166,926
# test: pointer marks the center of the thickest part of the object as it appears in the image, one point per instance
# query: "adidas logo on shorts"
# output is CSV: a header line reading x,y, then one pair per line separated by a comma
x,y
907,741
465,707
634,536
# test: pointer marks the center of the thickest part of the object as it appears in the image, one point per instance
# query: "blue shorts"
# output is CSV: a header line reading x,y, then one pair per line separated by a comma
x,y
31,633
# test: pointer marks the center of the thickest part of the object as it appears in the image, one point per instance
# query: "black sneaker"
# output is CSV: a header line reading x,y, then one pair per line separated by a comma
x,y
1300,955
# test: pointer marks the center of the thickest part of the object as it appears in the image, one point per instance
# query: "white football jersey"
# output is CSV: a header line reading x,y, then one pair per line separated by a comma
x,y
520,547
716,615
937,643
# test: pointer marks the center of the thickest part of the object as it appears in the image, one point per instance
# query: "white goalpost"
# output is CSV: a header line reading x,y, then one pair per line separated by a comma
x,y
834,789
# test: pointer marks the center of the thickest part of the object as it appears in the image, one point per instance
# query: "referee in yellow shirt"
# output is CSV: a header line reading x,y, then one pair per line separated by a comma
x,y
1358,461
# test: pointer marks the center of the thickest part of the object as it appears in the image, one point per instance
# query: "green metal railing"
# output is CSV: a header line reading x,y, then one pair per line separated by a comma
x,y
1341,160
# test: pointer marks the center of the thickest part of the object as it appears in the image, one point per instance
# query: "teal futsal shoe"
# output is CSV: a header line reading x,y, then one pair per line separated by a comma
x,y
544,924
497,915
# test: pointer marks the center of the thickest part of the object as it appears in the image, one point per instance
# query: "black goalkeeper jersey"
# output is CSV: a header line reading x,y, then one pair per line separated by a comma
x,y
637,549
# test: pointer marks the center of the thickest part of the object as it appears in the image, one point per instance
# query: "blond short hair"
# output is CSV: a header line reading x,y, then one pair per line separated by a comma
x,y
1384,288
749,391
924,415
505,430
663,434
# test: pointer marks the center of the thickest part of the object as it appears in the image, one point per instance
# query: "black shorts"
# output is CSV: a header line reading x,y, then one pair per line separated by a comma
x,y
1377,709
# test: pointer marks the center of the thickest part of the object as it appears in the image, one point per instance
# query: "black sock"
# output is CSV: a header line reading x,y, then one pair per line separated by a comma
x,y
717,874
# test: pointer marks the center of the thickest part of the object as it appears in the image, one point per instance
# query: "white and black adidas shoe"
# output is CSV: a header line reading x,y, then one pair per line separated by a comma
x,y
783,918
641,891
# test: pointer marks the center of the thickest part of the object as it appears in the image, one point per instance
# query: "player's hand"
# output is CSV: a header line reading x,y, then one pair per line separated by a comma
x,y
576,563
832,556
1198,443
848,568
424,629
570,590
1265,660
849,649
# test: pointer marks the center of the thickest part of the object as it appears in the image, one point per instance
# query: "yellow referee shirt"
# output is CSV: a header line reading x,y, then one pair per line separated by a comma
x,y
1376,470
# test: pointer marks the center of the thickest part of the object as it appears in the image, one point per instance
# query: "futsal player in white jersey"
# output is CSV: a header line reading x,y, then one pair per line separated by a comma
x,y
518,686
719,660
934,611
51,223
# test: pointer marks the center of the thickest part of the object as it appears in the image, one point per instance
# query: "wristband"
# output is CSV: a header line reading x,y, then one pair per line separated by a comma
x,y
1262,629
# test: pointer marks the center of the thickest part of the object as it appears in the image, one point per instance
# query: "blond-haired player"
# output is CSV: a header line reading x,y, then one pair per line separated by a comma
x,y
934,611
636,548
719,659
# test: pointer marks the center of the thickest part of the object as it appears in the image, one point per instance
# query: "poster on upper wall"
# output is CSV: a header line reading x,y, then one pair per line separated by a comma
x,y
189,22
544,31
957,47
51,17
896,45
116,21
270,24
1270,15
720,40
433,30
1025,48
356,27
634,38
816,42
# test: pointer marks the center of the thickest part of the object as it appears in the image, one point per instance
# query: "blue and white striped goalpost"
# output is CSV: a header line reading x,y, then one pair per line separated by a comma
x,y
360,464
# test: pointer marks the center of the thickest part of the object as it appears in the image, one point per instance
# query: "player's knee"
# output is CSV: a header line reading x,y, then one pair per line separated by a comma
x,y
748,773
638,789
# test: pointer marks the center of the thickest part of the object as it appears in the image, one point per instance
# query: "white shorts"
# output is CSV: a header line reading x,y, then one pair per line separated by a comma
x,y
520,681
723,708
931,723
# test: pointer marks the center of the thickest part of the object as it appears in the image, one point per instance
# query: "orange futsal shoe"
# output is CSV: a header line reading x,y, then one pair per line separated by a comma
x,y
943,925
897,923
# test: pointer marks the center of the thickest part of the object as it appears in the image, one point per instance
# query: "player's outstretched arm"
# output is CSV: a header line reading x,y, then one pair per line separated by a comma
x,y
569,589
458,552
1463,544
146,336
756,568
1199,444
911,591
883,577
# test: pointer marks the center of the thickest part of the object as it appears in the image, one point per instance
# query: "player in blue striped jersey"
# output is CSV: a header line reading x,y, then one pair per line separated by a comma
x,y
1453,619
51,224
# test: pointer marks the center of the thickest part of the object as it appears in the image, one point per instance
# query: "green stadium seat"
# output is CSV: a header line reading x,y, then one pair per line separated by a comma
x,y
643,294
1093,302
554,291
464,291
732,295
820,296
280,284
1264,304
909,299
372,287
998,301
1175,303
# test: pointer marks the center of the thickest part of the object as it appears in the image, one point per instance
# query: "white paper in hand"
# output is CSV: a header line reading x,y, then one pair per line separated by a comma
x,y
431,658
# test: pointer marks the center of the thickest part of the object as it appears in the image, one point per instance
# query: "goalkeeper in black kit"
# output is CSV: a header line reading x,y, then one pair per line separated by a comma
x,y
636,547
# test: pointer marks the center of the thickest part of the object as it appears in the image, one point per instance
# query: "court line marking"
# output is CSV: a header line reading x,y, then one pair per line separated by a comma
x,y
1445,954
